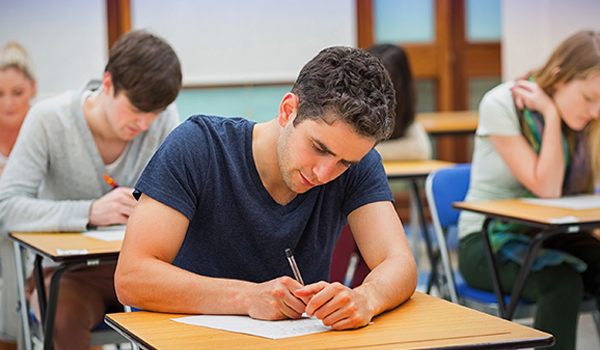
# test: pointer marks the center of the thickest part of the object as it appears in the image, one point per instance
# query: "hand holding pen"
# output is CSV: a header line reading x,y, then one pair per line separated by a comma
x,y
114,208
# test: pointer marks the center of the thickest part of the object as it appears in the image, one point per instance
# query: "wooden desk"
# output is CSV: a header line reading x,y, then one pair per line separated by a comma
x,y
415,171
538,216
45,245
423,322
446,123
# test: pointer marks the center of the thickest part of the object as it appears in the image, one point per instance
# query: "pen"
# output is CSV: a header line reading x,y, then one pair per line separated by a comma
x,y
110,181
292,261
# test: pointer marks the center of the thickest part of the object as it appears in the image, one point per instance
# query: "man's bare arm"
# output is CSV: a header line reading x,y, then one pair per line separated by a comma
x,y
146,279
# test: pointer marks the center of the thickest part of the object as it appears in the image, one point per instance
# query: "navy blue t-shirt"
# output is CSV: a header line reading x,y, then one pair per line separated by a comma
x,y
206,171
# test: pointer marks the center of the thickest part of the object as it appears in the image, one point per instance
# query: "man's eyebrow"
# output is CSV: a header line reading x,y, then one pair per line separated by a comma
x,y
327,150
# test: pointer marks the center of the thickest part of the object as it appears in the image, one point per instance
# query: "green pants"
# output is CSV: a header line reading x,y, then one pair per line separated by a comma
x,y
557,290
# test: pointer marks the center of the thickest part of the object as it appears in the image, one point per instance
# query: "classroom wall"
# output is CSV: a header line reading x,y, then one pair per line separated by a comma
x,y
218,42
532,29
66,39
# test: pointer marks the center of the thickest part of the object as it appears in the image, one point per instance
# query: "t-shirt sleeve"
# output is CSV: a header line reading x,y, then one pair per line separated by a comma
x,y
366,183
169,178
497,114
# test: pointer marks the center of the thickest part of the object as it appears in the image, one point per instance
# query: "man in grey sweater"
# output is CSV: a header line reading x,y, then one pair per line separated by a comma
x,y
53,180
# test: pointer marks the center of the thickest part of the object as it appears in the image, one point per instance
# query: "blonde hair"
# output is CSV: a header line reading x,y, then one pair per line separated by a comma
x,y
15,56
575,58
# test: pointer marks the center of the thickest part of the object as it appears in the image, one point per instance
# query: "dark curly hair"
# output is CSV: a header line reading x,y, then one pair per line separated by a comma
x,y
348,84
146,69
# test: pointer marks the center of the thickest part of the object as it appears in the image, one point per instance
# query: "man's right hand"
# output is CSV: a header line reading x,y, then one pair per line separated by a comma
x,y
114,208
275,300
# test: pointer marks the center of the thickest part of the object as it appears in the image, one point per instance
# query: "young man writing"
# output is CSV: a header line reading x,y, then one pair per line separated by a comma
x,y
53,180
223,198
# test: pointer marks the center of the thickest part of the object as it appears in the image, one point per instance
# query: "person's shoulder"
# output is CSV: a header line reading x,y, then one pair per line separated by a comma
x,y
53,103
499,95
52,111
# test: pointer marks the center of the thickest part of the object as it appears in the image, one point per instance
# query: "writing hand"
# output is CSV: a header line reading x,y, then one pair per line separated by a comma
x,y
275,300
115,207
336,305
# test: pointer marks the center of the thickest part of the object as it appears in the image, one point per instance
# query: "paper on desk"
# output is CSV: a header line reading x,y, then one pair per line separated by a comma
x,y
107,233
568,202
266,329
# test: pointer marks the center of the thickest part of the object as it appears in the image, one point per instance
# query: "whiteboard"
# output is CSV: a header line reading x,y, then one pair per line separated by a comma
x,y
66,39
242,41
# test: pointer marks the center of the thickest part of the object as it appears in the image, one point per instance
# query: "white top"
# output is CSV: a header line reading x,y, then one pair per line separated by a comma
x,y
3,160
491,178
414,145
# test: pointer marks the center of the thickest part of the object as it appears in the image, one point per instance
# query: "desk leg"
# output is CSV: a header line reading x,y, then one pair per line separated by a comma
x,y
535,245
421,211
493,268
52,301
532,250
38,274
22,298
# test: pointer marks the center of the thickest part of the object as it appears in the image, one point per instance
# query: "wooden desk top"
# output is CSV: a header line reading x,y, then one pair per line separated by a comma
x,y
47,243
423,322
413,169
460,122
531,213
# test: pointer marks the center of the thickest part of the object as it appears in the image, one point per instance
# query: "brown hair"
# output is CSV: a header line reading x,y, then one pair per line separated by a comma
x,y
575,58
15,56
396,62
146,69
348,84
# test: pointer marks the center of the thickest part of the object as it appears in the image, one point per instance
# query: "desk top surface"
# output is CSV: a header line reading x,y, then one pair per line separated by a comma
x,y
47,244
412,169
423,322
533,213
449,122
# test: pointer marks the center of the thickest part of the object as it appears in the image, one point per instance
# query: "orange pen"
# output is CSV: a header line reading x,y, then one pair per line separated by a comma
x,y
110,181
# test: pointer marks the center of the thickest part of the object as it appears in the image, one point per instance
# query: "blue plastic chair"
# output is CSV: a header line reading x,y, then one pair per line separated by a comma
x,y
443,187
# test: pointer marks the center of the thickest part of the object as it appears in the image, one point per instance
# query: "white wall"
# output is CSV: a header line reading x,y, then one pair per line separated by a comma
x,y
218,41
65,38
532,29
239,41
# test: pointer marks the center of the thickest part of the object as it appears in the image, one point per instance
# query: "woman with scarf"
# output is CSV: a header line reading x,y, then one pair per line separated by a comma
x,y
533,140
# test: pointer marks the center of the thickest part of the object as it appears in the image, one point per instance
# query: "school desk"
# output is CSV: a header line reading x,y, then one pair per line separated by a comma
x,y
45,245
549,220
449,123
422,322
415,172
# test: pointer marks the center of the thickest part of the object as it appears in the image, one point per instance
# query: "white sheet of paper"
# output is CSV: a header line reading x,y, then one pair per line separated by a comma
x,y
266,329
568,202
107,233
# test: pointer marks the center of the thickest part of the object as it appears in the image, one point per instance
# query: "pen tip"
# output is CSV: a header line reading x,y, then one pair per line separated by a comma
x,y
288,252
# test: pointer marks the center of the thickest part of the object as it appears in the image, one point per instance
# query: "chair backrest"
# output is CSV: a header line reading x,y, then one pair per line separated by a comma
x,y
443,187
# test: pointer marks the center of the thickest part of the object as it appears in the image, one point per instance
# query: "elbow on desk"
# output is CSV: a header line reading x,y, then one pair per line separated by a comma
x,y
124,288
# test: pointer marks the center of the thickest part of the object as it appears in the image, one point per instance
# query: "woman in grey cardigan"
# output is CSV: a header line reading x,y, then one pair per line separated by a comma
x,y
53,180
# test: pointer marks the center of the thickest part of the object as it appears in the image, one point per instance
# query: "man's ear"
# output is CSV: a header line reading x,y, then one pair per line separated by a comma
x,y
287,109
107,84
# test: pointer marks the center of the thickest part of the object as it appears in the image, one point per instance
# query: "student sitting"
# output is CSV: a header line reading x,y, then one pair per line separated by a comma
x,y
531,142
222,200
54,182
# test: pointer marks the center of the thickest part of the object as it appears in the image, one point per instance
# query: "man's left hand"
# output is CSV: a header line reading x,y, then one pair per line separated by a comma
x,y
336,305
